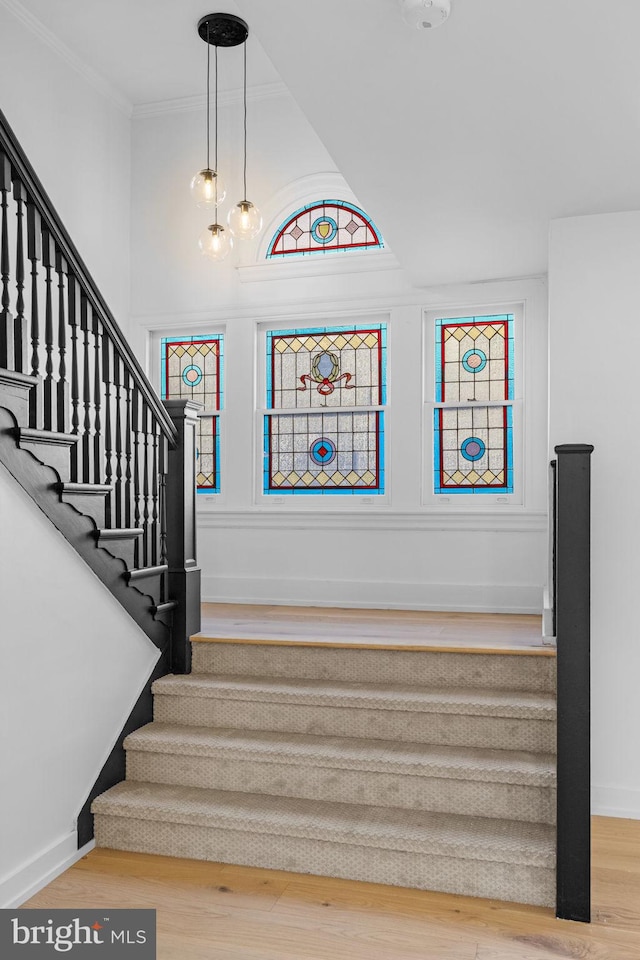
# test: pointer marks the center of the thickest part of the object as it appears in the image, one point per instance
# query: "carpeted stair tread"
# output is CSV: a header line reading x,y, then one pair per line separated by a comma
x,y
388,696
402,758
387,828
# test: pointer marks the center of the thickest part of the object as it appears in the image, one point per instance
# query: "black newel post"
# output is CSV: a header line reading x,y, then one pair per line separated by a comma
x,y
572,568
184,572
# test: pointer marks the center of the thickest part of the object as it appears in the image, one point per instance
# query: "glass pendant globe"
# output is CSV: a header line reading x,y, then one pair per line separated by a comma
x,y
215,242
207,188
245,220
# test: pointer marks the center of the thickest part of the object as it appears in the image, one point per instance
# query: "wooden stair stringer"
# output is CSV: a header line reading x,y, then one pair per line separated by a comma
x,y
42,484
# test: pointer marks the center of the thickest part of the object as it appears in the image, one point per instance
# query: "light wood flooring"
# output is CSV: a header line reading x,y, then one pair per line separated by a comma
x,y
397,629
209,911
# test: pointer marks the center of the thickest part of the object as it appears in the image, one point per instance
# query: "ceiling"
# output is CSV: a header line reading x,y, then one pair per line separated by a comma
x,y
147,49
461,142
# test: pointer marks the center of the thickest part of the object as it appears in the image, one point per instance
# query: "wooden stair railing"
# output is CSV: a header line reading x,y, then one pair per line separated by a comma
x,y
571,603
74,395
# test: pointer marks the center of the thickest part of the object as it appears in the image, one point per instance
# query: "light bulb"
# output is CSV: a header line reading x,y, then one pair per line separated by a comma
x,y
207,188
245,220
215,242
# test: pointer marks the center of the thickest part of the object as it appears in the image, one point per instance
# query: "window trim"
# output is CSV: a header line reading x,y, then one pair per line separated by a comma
x,y
195,332
311,502
471,501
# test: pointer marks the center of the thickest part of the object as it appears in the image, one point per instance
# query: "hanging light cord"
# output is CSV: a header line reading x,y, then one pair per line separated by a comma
x,y
208,60
245,121
216,114
215,58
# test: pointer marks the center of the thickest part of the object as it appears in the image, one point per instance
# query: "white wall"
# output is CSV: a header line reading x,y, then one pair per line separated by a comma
x,y
73,665
594,287
403,551
76,134
168,273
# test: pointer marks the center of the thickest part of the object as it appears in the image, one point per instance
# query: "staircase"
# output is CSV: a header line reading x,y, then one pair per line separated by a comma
x,y
424,769
84,433
428,769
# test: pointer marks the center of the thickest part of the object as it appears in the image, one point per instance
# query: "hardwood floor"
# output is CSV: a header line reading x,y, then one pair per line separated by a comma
x,y
210,911
397,629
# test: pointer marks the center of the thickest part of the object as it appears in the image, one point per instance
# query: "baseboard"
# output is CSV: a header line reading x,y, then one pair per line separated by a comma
x,y
466,598
27,880
615,802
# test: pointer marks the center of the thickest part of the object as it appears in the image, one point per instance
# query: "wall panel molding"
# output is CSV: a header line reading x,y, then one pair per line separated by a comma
x,y
358,519
375,594
615,802
32,876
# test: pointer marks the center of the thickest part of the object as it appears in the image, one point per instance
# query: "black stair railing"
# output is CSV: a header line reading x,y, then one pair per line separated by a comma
x,y
571,603
56,327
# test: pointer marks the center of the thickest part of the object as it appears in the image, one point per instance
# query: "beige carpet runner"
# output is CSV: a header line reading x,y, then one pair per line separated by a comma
x,y
414,768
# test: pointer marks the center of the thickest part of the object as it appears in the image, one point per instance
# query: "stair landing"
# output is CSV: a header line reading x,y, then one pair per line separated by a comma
x,y
489,633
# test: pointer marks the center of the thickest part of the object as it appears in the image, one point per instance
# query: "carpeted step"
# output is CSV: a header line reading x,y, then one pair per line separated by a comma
x,y
460,780
481,857
533,673
498,720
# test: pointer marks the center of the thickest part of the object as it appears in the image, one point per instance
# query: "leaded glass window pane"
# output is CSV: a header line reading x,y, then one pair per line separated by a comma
x,y
474,359
324,453
332,371
473,445
473,449
322,227
326,367
192,368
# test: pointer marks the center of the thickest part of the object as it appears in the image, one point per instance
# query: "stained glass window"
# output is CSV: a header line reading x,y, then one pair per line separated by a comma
x,y
473,420
192,367
324,226
330,383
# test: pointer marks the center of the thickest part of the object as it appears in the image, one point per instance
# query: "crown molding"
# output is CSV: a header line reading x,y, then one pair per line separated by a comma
x,y
312,308
265,91
95,79
325,307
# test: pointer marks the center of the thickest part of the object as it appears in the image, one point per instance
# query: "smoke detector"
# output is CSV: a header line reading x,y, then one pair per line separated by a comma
x,y
425,14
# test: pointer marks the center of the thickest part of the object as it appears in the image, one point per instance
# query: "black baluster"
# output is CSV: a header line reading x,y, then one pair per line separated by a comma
x,y
163,512
86,325
48,262
34,253
6,318
117,380
128,487
62,403
135,429
155,530
74,324
107,376
145,487
98,439
20,324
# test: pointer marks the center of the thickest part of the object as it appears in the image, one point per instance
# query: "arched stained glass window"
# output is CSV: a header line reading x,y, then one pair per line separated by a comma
x,y
323,226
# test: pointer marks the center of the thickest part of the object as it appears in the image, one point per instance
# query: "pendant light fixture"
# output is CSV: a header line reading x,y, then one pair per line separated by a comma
x,y
244,220
207,188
